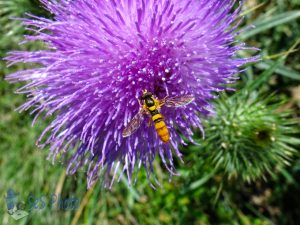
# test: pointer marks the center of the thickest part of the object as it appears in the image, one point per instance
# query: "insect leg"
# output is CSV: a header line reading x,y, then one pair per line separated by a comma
x,y
149,121
140,104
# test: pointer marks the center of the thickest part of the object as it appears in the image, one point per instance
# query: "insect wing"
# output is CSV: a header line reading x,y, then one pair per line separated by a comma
x,y
134,124
178,101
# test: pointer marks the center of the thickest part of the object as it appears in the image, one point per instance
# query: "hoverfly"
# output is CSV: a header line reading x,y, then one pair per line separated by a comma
x,y
151,105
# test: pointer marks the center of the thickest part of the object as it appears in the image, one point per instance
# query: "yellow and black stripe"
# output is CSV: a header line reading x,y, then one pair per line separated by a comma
x,y
159,124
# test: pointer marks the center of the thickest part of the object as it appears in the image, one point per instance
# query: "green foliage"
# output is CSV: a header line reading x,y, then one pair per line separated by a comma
x,y
252,136
11,29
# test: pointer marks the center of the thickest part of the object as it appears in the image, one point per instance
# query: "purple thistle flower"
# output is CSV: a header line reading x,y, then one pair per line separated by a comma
x,y
102,54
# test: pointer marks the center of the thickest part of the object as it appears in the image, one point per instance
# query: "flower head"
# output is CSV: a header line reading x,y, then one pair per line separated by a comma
x,y
100,57
251,140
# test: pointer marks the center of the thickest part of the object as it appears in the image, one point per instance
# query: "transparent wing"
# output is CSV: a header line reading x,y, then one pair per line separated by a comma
x,y
177,101
134,124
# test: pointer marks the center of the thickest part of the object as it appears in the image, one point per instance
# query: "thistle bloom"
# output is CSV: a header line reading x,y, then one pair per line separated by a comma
x,y
102,54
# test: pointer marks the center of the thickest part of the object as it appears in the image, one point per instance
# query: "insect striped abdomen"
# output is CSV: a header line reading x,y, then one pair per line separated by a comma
x,y
162,131
160,126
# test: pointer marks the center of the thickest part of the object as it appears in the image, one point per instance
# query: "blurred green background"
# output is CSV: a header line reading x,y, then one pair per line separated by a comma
x,y
246,177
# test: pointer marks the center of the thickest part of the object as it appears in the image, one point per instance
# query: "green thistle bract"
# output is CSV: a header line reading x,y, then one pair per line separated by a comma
x,y
249,137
